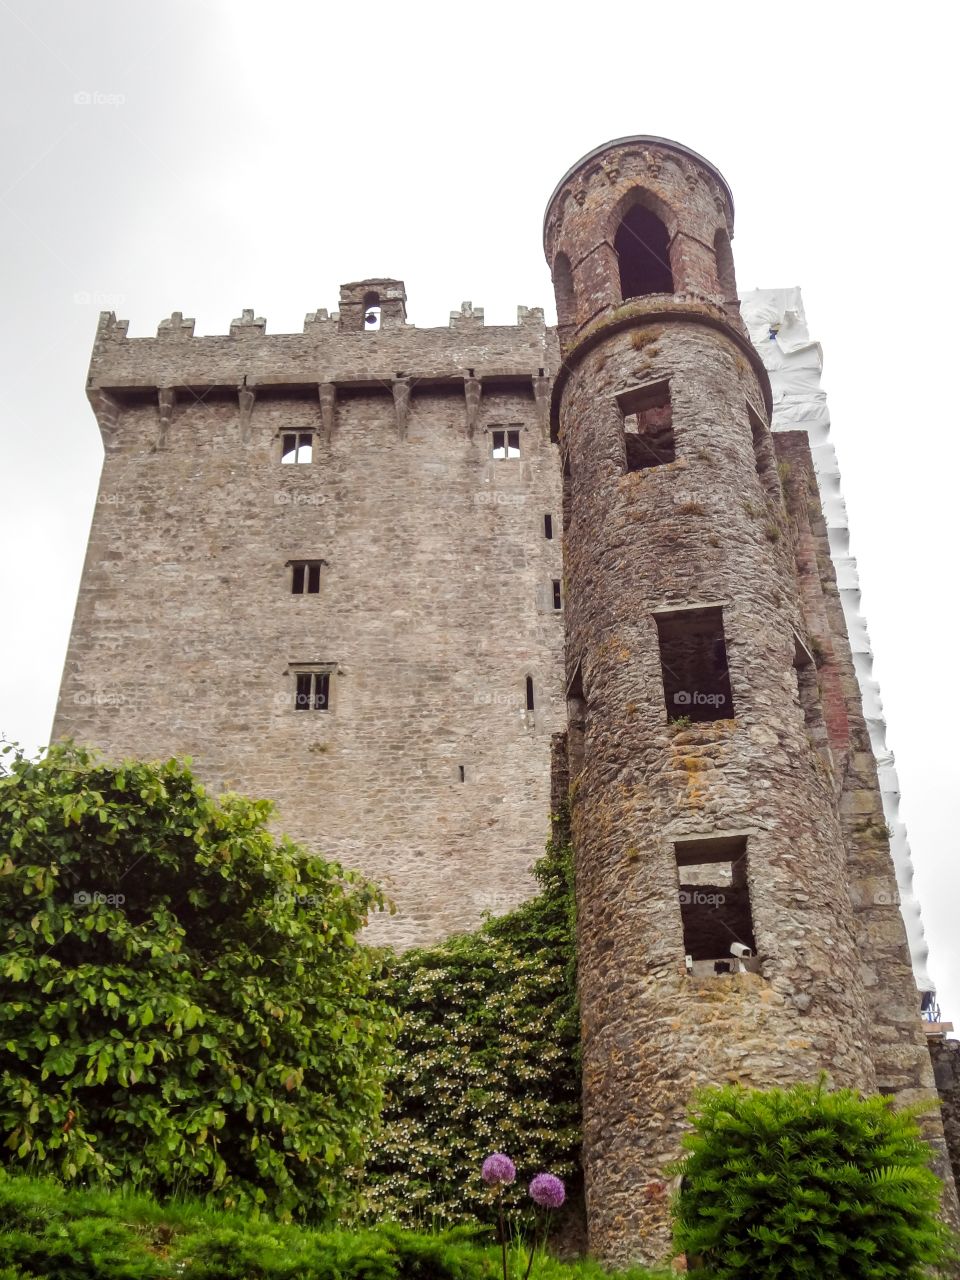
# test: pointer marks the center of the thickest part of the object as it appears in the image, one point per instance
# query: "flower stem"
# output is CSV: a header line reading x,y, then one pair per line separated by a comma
x,y
503,1234
533,1246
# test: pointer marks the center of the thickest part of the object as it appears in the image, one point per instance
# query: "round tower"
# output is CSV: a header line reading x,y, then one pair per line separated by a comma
x,y
716,937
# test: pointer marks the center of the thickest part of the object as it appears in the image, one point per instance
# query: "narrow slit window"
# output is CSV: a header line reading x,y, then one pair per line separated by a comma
x,y
557,594
567,494
371,312
548,527
718,935
305,577
648,439
462,773
530,693
313,691
297,447
693,660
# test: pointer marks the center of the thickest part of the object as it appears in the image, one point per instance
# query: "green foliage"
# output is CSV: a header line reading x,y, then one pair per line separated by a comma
x,y
208,1022
807,1183
49,1232
488,1060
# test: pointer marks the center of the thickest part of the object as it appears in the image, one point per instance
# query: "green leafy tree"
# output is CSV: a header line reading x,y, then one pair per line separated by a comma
x,y
183,1002
804,1183
488,1060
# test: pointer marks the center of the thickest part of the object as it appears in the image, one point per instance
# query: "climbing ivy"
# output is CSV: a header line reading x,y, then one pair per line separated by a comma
x,y
488,1059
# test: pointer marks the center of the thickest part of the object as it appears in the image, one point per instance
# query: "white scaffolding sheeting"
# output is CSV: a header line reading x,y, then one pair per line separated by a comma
x,y
778,330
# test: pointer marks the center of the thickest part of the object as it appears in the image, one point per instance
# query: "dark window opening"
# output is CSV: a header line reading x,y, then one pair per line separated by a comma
x,y
576,723
648,439
715,901
313,691
564,292
529,693
693,659
764,457
305,577
557,594
463,773
548,526
297,447
506,444
643,247
371,312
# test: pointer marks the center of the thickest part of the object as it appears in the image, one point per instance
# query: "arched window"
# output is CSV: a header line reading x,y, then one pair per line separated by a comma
x,y
371,311
725,273
642,245
563,291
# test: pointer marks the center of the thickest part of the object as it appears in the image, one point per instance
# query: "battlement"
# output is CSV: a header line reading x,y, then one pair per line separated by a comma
x,y
367,344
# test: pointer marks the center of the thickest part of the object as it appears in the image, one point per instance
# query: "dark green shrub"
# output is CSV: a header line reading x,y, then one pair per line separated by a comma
x,y
49,1233
807,1183
216,1031
488,1060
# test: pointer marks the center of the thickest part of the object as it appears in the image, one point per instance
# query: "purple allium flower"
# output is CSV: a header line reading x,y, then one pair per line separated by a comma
x,y
547,1191
498,1170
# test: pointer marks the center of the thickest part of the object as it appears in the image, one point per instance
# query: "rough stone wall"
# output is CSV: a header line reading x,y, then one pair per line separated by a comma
x,y
898,1042
945,1056
435,598
710,528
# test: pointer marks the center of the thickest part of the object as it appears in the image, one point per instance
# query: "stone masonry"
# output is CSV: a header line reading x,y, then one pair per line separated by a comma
x,y
435,601
329,567
723,790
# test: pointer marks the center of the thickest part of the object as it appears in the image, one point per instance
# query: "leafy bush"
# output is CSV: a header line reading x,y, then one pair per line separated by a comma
x,y
807,1183
49,1232
488,1060
183,1003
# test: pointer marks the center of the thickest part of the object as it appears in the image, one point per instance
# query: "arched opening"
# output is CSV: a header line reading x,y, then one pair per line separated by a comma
x,y
725,273
642,245
564,292
371,311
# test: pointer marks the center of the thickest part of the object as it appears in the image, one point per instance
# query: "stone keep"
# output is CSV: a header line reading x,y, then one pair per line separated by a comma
x,y
327,566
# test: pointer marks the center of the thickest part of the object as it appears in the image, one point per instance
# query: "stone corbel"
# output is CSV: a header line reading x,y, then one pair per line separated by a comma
x,y
472,390
327,392
166,404
246,396
401,403
541,394
107,413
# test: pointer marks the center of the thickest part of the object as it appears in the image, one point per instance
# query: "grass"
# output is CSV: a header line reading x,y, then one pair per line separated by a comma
x,y
49,1231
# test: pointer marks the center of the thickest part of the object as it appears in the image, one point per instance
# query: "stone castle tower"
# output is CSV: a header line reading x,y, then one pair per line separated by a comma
x,y
328,567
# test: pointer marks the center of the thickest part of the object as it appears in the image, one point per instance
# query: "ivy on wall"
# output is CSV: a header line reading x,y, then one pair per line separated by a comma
x,y
488,1059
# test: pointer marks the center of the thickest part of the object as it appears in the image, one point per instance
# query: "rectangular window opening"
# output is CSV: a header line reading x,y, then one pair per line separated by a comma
x,y
715,903
462,773
648,439
557,594
693,660
297,447
505,443
548,526
305,577
313,691
530,693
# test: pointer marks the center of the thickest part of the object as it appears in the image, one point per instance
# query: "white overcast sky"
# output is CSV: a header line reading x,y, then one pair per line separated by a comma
x,y
237,154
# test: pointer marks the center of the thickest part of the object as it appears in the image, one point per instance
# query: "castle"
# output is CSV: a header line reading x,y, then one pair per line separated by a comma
x,y
413,584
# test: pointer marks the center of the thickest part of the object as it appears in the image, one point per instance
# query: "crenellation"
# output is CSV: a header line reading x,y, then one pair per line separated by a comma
x,y
246,326
176,327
